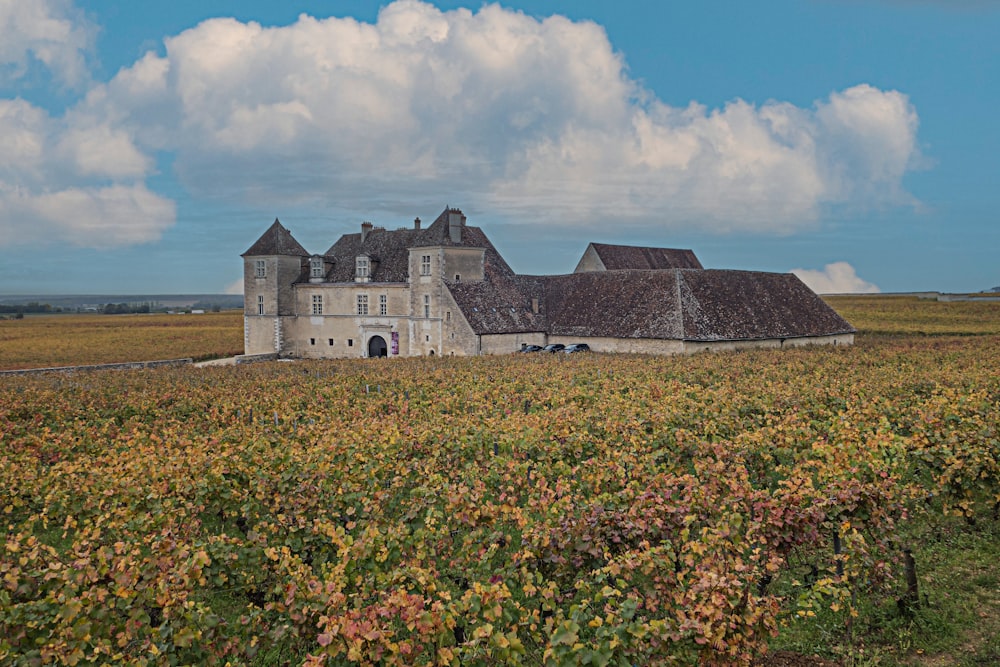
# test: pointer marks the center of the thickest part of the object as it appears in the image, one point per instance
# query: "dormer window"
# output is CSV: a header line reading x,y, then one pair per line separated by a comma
x,y
316,268
362,269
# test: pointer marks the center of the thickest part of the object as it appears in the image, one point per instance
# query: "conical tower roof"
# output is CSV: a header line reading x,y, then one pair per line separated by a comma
x,y
276,241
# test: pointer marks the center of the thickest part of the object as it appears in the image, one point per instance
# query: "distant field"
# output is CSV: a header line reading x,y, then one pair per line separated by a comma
x,y
68,340
905,315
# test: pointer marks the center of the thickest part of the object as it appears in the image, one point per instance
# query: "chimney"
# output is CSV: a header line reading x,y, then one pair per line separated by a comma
x,y
416,224
365,228
534,306
455,223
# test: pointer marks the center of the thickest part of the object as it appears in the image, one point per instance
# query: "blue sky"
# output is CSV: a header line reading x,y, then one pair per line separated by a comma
x,y
144,146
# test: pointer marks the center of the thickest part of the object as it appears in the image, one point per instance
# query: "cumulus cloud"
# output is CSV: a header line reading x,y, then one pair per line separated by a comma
x,y
530,119
52,32
495,110
836,278
80,185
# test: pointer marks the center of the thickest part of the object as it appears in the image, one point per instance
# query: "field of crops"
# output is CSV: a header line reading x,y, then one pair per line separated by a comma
x,y
912,316
72,340
562,510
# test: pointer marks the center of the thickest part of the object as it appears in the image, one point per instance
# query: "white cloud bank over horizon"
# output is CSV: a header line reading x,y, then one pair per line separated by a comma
x,y
836,278
531,120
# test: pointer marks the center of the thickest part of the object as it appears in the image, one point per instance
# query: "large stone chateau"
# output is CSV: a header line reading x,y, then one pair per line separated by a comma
x,y
444,289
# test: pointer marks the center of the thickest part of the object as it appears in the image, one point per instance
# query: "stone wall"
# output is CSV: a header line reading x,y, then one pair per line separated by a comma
x,y
124,366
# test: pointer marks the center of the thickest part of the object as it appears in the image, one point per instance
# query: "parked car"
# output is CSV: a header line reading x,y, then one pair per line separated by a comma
x,y
531,348
554,347
576,347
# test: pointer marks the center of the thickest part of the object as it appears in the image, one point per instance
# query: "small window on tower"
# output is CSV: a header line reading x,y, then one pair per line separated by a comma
x,y
261,268
425,265
260,304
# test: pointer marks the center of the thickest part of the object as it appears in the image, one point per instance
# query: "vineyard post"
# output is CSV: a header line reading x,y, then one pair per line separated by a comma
x,y
911,600
836,553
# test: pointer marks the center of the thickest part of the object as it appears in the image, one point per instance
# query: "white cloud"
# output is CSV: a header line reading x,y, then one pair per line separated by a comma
x,y
53,32
81,185
534,120
836,278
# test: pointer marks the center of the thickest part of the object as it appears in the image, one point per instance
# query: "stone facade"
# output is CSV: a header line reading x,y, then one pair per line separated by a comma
x,y
445,290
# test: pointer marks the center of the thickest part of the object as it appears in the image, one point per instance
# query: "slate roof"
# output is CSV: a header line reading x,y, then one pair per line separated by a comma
x,y
619,304
679,304
501,304
622,257
276,241
389,250
749,305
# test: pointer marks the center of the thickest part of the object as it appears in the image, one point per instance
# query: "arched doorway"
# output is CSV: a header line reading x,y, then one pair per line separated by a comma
x,y
377,347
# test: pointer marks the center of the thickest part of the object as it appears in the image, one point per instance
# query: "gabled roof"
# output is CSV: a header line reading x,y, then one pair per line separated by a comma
x,y
678,304
619,304
276,241
390,249
501,304
750,305
624,257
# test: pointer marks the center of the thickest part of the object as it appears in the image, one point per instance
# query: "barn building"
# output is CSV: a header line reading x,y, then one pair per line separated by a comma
x,y
444,289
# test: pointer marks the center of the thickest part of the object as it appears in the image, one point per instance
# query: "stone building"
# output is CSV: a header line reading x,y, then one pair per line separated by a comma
x,y
444,289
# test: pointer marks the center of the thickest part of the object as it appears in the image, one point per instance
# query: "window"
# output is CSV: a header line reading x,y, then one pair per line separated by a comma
x,y
317,304
458,277
260,304
425,265
427,305
362,304
447,316
316,268
362,266
383,304
261,268
331,340
312,341
350,342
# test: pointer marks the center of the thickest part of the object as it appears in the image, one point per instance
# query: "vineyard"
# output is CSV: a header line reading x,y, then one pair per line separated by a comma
x,y
75,340
530,509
